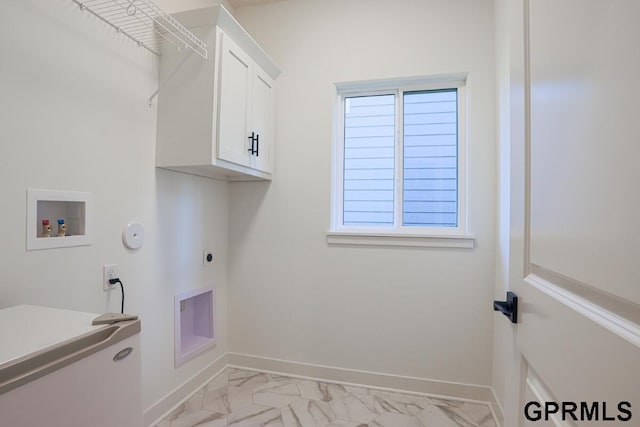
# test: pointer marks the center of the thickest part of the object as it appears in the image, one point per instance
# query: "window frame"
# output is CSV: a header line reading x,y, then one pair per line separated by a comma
x,y
398,87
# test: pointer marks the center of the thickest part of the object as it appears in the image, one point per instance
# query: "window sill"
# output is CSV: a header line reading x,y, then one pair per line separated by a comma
x,y
403,240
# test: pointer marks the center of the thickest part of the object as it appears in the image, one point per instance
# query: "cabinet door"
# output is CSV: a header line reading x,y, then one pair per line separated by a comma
x,y
235,78
262,119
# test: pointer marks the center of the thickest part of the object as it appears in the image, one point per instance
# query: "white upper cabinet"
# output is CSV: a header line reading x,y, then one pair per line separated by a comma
x,y
215,117
245,109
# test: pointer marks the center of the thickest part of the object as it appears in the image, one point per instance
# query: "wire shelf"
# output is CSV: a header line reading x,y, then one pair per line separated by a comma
x,y
146,24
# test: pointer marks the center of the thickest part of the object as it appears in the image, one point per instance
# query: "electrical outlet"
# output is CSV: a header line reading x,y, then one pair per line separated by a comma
x,y
207,257
109,271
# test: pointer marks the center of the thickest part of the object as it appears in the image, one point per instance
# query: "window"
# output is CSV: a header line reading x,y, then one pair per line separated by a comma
x,y
399,158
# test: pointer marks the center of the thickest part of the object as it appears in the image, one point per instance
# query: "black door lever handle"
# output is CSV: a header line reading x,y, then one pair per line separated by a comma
x,y
509,307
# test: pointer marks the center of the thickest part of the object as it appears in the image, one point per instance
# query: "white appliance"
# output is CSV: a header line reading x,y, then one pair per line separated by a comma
x,y
58,370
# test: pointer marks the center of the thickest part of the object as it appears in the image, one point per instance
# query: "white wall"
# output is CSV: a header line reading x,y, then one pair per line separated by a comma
x,y
417,312
73,116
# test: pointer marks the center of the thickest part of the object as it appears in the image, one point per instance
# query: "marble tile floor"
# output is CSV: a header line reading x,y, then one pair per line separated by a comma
x,y
239,398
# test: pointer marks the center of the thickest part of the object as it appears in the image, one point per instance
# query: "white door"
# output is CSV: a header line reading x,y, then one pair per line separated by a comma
x,y
262,119
235,68
575,213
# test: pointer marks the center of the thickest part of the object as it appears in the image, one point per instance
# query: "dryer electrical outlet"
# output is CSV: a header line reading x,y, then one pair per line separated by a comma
x,y
207,257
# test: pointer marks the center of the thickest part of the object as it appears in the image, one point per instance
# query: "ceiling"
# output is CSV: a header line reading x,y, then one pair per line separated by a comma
x,y
242,3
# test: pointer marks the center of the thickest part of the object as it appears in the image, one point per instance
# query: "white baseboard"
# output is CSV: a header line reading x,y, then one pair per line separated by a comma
x,y
423,386
171,401
436,388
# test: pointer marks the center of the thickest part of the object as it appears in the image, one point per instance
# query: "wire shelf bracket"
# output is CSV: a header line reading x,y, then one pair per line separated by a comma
x,y
148,26
185,56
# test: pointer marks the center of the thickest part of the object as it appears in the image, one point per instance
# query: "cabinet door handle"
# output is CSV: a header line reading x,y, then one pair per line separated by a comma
x,y
257,145
253,139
